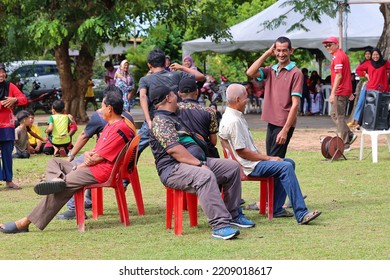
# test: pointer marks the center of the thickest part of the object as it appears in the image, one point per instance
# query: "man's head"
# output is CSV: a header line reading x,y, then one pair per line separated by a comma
x,y
305,71
22,116
283,50
58,106
108,65
111,89
331,44
188,88
236,95
112,105
156,58
162,97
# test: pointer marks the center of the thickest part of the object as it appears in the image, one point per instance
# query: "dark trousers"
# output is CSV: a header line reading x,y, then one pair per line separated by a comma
x,y
274,149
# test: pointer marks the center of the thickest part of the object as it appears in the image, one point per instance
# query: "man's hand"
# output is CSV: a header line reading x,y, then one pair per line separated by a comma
x,y
175,66
275,159
281,138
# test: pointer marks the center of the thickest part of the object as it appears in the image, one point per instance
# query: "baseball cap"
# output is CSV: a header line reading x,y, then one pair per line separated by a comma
x,y
331,39
188,85
158,94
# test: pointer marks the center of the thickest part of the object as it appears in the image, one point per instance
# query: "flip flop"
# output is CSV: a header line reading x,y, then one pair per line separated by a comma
x,y
10,227
13,186
310,217
252,206
45,188
284,214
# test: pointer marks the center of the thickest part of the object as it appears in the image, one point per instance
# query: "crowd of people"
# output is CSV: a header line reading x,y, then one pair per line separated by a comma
x,y
183,133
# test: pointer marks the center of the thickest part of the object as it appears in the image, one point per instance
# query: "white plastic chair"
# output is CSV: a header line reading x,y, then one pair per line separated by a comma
x,y
326,90
374,142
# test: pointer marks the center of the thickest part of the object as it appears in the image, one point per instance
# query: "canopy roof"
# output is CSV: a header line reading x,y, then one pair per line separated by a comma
x,y
363,27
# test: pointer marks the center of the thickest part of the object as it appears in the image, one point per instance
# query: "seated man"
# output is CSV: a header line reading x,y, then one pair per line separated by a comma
x,y
94,127
235,130
65,178
182,164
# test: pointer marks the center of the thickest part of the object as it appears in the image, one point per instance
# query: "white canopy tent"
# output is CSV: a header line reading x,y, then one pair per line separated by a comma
x,y
362,27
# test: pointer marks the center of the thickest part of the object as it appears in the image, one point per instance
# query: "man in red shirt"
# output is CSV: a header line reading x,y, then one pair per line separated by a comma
x,y
341,89
65,178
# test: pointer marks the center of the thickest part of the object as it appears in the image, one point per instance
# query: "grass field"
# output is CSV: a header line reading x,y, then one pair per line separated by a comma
x,y
352,194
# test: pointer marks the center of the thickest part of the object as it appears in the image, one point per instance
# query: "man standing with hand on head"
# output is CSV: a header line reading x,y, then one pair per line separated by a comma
x,y
283,91
340,71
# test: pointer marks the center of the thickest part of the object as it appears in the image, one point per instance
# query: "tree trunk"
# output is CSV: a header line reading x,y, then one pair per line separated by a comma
x,y
74,85
384,41
65,72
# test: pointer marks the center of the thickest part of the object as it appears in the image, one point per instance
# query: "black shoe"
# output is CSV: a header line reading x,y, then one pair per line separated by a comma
x,y
87,206
45,188
69,215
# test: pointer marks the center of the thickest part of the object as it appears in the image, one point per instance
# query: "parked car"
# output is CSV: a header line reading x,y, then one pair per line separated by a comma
x,y
43,72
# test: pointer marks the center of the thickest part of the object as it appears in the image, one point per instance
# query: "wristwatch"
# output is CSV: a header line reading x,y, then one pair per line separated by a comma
x,y
70,155
201,163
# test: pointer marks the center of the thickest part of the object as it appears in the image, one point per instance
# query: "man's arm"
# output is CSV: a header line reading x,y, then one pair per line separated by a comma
x,y
291,118
181,154
213,139
90,159
143,99
80,143
336,83
253,70
198,76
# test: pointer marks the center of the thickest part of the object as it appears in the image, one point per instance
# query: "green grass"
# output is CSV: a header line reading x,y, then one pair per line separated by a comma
x,y
352,194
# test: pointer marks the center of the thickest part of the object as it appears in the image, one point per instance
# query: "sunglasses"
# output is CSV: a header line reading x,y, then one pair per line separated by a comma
x,y
329,45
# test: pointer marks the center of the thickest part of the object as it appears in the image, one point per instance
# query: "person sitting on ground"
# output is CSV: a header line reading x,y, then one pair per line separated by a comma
x,y
182,165
22,146
37,142
94,127
65,178
57,130
235,131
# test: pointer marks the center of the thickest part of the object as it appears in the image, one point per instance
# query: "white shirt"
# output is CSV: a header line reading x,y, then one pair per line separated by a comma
x,y
235,130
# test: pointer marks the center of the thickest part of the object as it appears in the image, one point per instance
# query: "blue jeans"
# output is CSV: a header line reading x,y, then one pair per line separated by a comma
x,y
286,183
144,141
360,104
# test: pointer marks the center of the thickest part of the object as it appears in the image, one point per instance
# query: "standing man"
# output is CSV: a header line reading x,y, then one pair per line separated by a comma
x,y
283,90
234,129
109,76
201,120
65,178
183,165
159,76
340,71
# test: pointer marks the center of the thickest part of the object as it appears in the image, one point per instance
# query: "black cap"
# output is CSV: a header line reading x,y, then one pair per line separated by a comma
x,y
188,85
158,94
2,66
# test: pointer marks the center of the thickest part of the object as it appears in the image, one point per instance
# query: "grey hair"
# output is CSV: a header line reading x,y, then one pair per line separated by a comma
x,y
233,91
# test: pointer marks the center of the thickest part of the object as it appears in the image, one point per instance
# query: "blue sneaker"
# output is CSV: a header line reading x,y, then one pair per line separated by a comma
x,y
242,221
225,233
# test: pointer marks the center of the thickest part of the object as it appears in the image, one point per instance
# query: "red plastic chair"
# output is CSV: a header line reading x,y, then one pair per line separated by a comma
x,y
175,205
115,182
266,183
131,173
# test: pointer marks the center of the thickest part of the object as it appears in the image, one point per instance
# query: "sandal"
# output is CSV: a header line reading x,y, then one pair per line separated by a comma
x,y
310,217
11,227
13,186
252,206
284,214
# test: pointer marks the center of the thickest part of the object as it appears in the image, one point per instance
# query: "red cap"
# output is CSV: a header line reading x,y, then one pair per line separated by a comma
x,y
331,39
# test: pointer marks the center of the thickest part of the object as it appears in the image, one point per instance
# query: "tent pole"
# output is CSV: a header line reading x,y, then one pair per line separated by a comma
x,y
340,24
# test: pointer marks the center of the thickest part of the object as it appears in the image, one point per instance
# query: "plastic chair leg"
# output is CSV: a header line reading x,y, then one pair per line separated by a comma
x,y
178,211
169,208
79,208
97,202
135,184
192,205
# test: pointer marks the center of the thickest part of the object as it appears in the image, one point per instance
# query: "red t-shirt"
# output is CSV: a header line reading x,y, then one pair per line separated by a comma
x,y
340,64
110,143
378,79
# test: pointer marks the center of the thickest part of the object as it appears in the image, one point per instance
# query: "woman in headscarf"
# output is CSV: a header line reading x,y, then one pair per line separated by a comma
x,y
375,72
10,96
189,63
125,82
